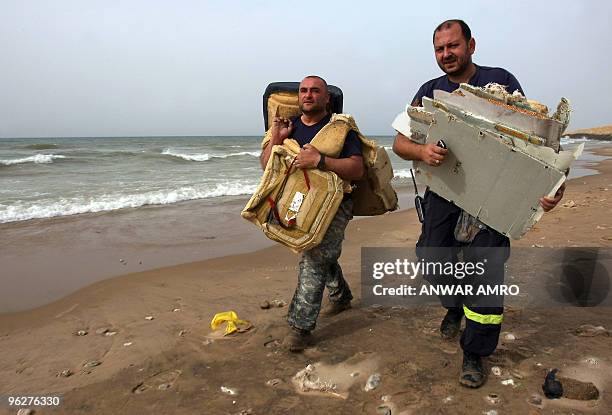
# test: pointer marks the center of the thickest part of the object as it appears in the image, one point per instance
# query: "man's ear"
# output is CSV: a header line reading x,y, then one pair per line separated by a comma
x,y
472,46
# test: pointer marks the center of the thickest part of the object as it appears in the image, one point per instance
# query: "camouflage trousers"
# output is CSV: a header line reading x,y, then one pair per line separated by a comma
x,y
319,268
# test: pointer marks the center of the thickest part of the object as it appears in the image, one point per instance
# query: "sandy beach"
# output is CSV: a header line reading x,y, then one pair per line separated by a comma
x,y
145,344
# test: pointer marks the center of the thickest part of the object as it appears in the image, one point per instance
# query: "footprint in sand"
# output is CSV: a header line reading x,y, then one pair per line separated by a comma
x,y
161,381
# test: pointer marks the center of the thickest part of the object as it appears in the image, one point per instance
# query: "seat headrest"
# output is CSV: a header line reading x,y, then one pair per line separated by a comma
x,y
283,97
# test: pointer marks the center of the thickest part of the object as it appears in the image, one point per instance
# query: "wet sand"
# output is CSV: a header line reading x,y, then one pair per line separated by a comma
x,y
172,363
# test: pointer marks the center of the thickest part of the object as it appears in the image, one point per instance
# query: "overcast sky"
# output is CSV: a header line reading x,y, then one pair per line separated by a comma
x,y
139,68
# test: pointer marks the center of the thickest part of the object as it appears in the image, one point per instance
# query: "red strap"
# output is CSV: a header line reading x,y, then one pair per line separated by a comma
x,y
273,207
306,179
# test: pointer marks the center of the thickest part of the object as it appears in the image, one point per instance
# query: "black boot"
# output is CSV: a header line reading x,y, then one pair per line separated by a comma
x,y
451,323
473,374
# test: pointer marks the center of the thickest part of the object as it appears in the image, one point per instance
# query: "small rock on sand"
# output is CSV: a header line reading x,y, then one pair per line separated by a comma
x,y
25,411
264,305
81,333
149,318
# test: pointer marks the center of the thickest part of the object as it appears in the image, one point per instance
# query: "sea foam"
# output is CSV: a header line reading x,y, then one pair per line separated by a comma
x,y
206,156
37,159
110,202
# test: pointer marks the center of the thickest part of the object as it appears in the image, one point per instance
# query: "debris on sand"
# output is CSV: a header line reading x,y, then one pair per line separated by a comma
x,y
274,382
92,363
372,383
493,398
308,380
81,333
66,373
383,410
496,370
552,387
508,382
278,303
264,305
229,391
588,330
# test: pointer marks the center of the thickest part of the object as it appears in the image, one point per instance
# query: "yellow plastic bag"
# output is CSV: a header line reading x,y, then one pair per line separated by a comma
x,y
232,322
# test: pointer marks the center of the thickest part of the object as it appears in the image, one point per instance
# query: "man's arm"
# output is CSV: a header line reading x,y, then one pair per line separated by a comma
x,y
409,150
349,168
281,129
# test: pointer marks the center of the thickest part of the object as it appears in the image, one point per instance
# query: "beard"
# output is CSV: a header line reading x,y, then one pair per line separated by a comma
x,y
459,67
312,109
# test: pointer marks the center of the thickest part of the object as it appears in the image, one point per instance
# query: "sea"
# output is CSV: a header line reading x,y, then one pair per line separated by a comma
x,y
52,177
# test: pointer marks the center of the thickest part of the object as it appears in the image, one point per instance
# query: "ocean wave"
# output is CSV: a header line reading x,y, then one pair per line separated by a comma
x,y
569,140
37,159
110,202
403,174
206,156
41,146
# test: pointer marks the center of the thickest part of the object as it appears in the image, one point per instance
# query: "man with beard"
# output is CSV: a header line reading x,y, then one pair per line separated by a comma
x,y
318,267
454,47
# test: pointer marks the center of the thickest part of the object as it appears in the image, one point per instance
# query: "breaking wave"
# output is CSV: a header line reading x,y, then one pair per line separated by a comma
x,y
37,159
206,156
110,202
403,174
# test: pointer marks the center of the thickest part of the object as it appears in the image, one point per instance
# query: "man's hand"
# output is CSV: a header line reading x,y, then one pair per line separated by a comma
x,y
308,157
281,129
548,203
432,154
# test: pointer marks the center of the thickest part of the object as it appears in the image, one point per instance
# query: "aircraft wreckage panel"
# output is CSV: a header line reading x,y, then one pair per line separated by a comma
x,y
488,177
537,125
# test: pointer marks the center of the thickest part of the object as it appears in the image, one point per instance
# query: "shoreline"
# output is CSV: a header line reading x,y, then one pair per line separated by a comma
x,y
46,259
172,363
